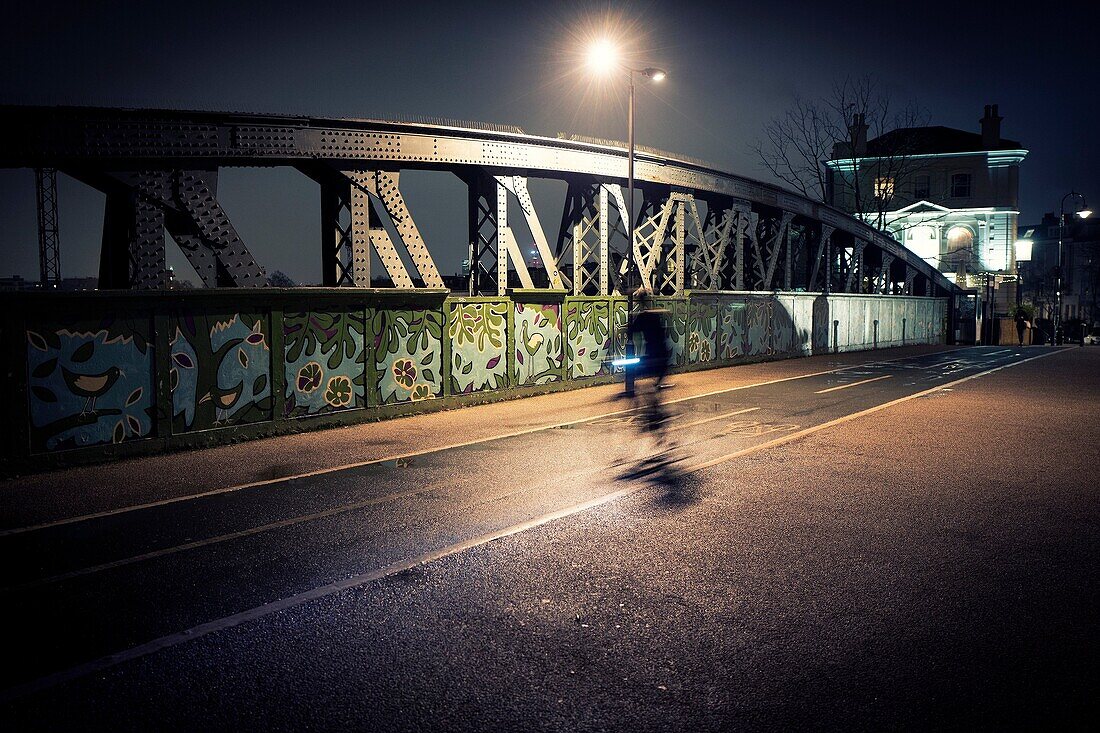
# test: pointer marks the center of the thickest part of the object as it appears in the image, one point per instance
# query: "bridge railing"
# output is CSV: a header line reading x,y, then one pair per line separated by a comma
x,y
97,375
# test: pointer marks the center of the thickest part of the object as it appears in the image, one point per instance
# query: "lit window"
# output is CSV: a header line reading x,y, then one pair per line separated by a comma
x,y
922,186
884,188
960,185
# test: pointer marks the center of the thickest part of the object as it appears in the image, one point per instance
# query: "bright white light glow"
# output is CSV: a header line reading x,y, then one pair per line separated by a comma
x,y
657,75
1084,213
603,56
625,361
1023,250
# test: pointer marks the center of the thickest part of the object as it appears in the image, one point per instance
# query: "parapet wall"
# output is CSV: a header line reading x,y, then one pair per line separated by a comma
x,y
96,375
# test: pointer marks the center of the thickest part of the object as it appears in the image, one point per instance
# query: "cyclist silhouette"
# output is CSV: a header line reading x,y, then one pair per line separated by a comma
x,y
653,364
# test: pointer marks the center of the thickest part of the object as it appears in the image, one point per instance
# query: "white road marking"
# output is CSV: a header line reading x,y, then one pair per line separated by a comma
x,y
853,384
228,622
712,419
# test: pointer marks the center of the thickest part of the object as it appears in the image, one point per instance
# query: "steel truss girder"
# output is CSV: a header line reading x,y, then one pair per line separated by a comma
x,y
103,139
517,186
882,282
583,237
142,204
49,238
851,265
714,250
770,244
383,188
821,281
910,280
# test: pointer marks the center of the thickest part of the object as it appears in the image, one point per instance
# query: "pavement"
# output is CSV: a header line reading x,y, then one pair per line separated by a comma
x,y
905,539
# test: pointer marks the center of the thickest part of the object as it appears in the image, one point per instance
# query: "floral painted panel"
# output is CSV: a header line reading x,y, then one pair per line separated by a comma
x,y
89,383
702,341
731,335
221,370
538,343
478,333
408,354
588,337
324,365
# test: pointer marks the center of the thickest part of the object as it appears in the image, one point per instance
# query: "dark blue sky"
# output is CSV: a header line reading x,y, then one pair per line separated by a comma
x,y
732,66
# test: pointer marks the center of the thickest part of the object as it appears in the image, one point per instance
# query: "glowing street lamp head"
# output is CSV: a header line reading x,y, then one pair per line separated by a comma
x,y
1085,213
655,74
603,57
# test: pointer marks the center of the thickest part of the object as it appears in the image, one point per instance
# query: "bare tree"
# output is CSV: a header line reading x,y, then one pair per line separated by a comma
x,y
838,126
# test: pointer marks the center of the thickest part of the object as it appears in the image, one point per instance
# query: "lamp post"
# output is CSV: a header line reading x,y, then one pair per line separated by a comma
x,y
603,57
1084,212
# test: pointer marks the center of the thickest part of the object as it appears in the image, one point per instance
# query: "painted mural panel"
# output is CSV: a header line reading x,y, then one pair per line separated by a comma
x,y
323,361
676,328
758,326
588,337
731,332
220,371
408,354
478,333
89,383
538,343
618,333
702,340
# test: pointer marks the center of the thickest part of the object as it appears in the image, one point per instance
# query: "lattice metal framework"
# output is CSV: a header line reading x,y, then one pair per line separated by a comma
x,y
49,237
159,170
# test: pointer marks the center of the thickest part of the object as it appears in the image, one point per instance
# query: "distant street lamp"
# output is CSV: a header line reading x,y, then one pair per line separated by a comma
x,y
1084,212
603,58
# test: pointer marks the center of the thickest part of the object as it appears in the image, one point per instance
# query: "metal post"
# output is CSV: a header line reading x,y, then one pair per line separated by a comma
x,y
629,377
1057,338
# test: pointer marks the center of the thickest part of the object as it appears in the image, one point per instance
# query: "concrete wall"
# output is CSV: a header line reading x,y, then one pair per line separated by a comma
x,y
95,375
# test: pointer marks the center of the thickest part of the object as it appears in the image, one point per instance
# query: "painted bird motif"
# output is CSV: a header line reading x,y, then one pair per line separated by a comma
x,y
224,399
90,386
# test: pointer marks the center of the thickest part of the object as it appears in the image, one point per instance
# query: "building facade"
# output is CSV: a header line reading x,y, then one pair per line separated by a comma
x,y
1081,279
951,196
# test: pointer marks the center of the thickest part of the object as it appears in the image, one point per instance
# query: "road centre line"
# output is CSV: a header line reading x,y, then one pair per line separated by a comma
x,y
853,384
401,456
228,622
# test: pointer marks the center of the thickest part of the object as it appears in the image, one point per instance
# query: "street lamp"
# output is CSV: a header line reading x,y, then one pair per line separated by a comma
x,y
603,58
1084,212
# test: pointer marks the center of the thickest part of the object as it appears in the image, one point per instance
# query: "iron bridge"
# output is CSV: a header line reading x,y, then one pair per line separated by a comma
x,y
698,228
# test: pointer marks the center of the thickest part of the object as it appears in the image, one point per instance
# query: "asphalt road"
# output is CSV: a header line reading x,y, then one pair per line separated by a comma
x,y
902,543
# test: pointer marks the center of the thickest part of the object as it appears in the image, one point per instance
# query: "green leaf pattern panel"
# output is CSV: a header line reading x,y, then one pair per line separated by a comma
x,y
324,365
538,343
758,320
588,337
675,329
478,334
89,383
408,349
221,370
619,332
702,332
731,336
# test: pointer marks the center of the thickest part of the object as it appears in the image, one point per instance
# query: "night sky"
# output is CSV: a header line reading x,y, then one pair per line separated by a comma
x,y
732,66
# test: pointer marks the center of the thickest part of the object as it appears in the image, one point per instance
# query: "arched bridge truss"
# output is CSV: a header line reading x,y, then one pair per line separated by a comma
x,y
698,228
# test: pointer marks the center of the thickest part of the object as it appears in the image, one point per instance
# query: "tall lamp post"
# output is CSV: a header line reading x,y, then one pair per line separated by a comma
x,y
1084,212
603,57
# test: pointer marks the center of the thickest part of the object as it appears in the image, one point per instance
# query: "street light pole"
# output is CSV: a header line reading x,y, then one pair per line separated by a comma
x,y
604,57
628,379
1084,212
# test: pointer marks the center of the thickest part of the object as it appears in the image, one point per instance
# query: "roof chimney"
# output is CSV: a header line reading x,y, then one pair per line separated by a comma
x,y
991,128
858,134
